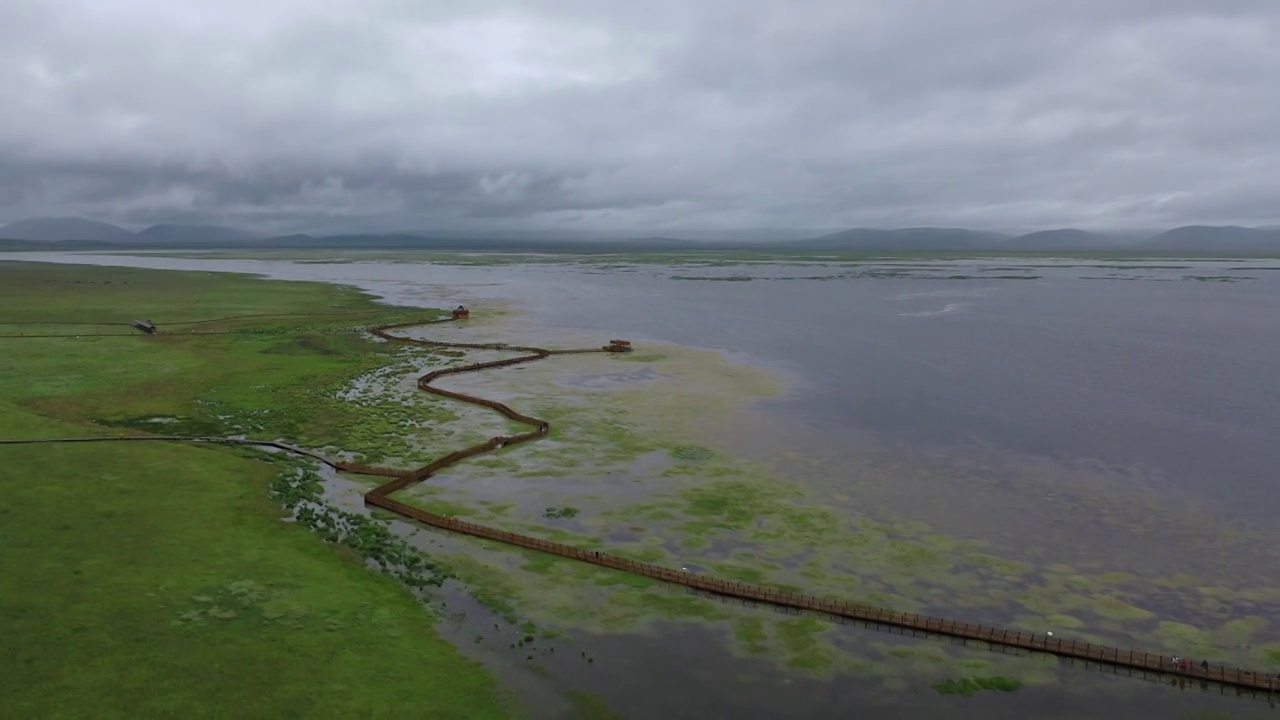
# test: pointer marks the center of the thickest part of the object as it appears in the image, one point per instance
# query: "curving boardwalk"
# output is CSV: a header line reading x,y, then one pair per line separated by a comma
x,y
381,497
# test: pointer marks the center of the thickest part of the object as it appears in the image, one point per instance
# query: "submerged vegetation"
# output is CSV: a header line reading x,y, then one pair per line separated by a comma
x,y
300,493
967,687
652,484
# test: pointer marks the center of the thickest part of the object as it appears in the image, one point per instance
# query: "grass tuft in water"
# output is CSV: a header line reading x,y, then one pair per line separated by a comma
x,y
967,687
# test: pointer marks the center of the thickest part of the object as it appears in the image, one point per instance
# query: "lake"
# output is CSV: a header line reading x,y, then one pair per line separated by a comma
x,y
1107,425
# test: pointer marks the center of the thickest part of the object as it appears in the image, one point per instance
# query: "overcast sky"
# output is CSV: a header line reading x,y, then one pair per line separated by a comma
x,y
315,115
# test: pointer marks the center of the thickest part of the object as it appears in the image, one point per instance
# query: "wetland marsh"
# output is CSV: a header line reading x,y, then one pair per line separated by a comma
x,y
924,435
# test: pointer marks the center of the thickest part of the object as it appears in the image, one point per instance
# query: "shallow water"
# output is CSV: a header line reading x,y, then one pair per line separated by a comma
x,y
1112,417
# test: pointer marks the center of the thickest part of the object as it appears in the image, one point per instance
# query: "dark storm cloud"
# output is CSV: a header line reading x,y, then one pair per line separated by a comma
x,y
287,115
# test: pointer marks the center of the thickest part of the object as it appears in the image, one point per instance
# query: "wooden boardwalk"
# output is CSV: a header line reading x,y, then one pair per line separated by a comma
x,y
1034,642
381,497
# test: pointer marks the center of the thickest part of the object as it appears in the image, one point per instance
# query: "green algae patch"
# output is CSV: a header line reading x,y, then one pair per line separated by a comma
x,y
1241,631
640,553
621,578
970,686
693,543
732,504
1064,621
690,453
926,654
911,555
751,634
804,646
676,604
642,357
494,508
1002,566
728,571
448,508
1114,608
590,706
488,585
1177,636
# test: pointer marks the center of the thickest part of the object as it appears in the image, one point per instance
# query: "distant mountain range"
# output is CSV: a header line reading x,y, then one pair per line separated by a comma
x,y
905,239
1066,239
190,234
70,233
1189,239
55,229
70,229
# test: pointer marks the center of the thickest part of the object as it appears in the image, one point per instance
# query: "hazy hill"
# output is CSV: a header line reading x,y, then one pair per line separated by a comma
x,y
1064,239
167,234
69,232
63,228
668,243
480,243
934,239
1212,239
57,245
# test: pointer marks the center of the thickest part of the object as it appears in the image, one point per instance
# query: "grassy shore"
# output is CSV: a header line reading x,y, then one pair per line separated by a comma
x,y
157,580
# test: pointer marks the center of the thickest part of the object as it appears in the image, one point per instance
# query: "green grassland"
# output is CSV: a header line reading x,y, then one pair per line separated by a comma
x,y
159,580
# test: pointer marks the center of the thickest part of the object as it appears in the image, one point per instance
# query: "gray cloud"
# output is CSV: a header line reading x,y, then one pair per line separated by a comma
x,y
289,115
